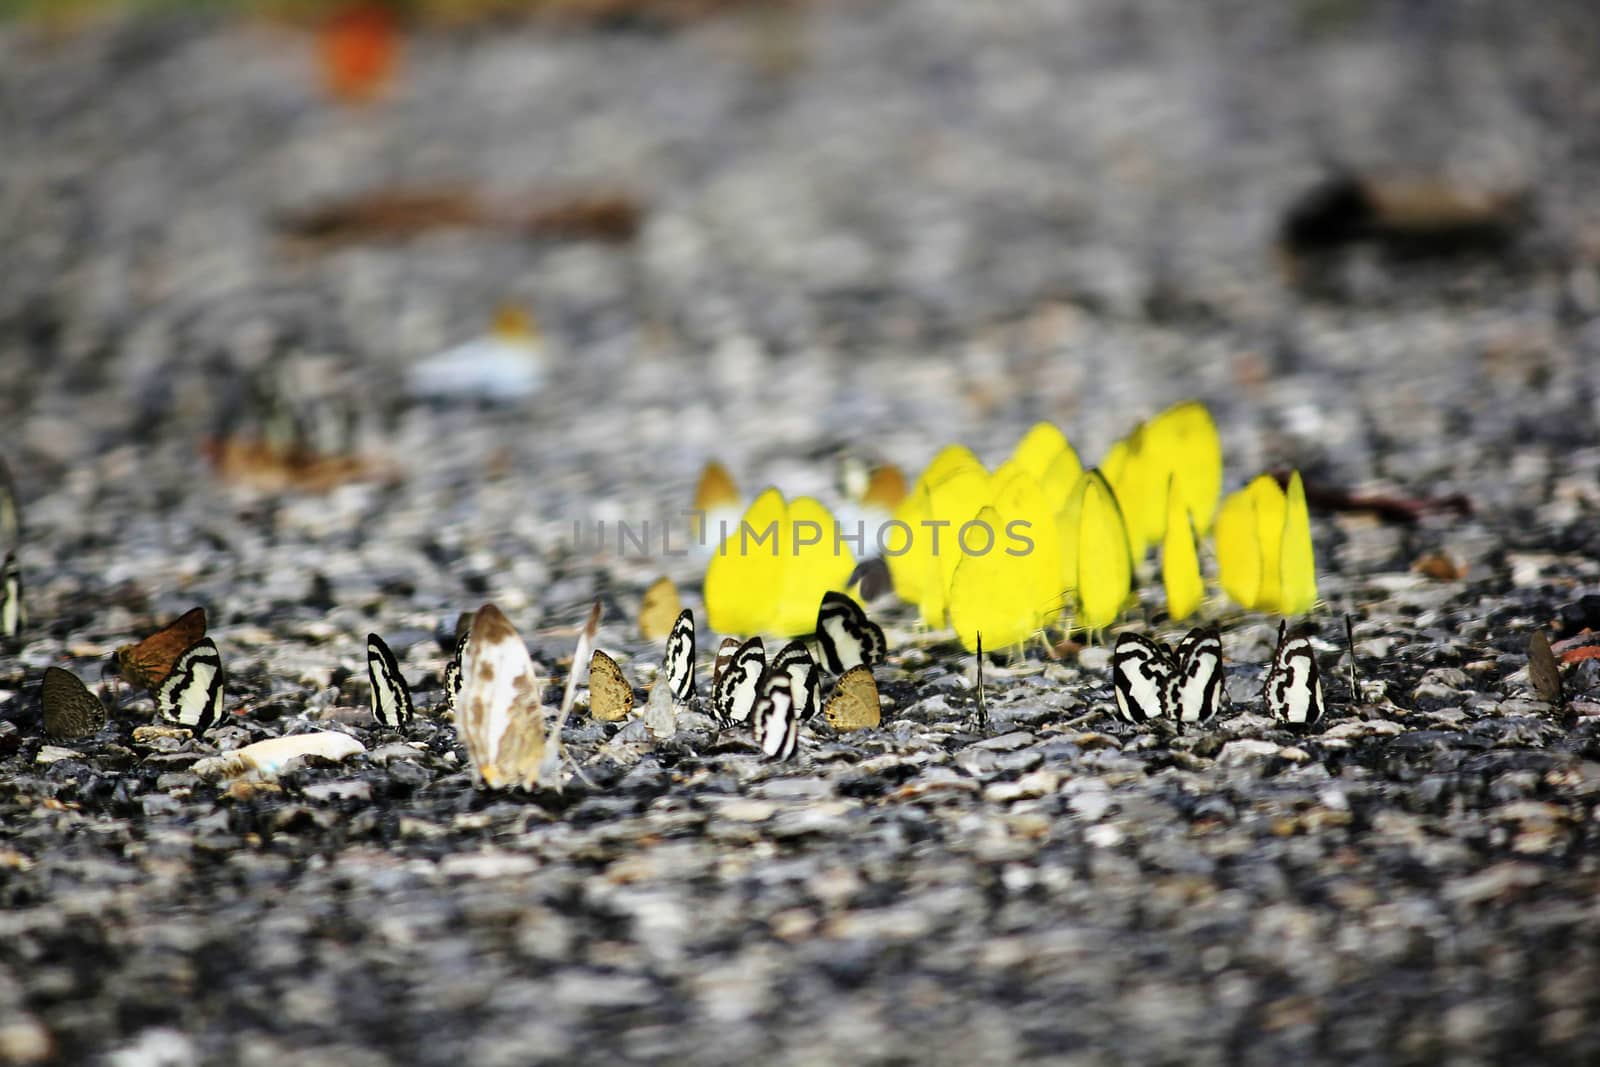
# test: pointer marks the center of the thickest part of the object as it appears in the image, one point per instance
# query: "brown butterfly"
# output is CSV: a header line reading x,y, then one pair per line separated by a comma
x,y
854,704
148,662
70,709
1543,670
610,695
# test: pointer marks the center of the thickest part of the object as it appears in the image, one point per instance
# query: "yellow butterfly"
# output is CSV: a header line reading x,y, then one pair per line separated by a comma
x,y
1095,560
1265,559
659,609
770,573
1180,561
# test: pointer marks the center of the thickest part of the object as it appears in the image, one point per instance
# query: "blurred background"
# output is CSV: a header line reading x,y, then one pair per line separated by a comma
x,y
598,242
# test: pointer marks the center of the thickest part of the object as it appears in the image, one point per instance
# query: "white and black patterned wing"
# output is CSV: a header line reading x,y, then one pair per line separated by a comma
x,y
12,615
10,511
678,664
847,637
805,680
192,694
721,662
1197,683
734,695
451,683
776,725
391,697
1293,691
1142,677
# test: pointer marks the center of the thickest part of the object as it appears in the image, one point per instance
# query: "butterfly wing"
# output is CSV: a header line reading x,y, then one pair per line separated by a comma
x,y
70,709
1105,568
11,614
1197,684
846,636
777,725
659,609
10,510
1297,564
499,716
1293,690
191,693
1141,677
734,695
723,661
451,683
149,662
391,697
610,695
678,664
854,704
1543,670
805,680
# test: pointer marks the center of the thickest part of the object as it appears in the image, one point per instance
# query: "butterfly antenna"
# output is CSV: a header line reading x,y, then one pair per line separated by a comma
x,y
1350,643
983,706
580,660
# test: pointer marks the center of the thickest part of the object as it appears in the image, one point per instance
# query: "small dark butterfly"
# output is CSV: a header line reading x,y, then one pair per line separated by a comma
x,y
1544,671
70,709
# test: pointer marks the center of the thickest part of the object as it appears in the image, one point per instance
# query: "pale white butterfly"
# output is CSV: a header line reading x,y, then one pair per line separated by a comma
x,y
500,715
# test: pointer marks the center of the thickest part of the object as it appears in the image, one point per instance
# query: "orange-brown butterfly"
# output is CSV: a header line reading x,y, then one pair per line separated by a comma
x,y
148,662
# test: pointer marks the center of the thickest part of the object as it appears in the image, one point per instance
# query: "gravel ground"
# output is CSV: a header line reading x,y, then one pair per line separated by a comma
x,y
867,228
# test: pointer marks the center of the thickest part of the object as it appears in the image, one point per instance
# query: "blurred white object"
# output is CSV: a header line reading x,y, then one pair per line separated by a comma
x,y
504,365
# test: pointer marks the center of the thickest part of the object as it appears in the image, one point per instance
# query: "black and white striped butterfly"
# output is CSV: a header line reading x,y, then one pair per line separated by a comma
x,y
678,664
12,615
1293,690
847,637
10,510
192,694
1151,682
777,722
451,683
1197,680
805,680
1142,674
391,697
735,688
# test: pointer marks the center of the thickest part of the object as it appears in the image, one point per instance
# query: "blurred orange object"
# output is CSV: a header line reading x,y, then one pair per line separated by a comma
x,y
359,46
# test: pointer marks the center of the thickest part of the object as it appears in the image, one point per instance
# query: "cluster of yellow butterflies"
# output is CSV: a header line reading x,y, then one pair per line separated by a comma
x,y
1039,539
